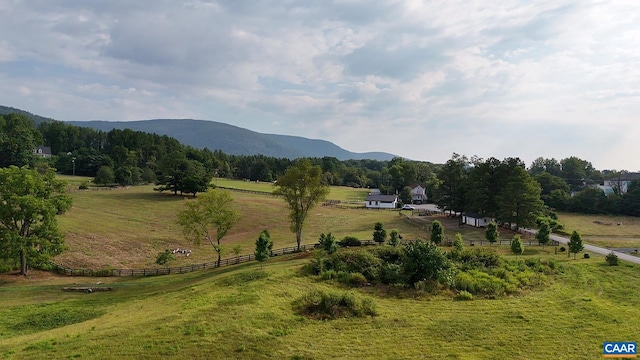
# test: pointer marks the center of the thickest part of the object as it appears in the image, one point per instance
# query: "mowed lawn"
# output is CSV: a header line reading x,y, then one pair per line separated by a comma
x,y
604,230
127,228
246,312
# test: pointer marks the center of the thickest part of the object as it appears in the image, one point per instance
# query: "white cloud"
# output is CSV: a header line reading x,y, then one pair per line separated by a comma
x,y
518,78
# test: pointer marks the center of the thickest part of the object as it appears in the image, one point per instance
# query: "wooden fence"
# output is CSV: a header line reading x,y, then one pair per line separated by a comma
x,y
60,269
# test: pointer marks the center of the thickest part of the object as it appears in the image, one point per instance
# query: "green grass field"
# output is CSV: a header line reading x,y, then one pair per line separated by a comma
x,y
245,312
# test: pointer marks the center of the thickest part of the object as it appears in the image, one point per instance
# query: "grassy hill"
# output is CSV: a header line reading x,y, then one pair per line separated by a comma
x,y
37,119
246,312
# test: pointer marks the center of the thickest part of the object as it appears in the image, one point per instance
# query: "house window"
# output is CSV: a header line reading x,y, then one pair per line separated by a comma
x,y
377,203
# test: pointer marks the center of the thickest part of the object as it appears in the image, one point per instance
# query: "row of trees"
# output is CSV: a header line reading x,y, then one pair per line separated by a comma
x,y
128,157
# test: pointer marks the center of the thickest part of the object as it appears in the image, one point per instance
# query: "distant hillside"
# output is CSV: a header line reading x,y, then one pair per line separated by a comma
x,y
235,140
4,110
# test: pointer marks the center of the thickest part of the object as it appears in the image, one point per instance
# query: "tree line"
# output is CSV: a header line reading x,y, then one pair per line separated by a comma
x,y
499,188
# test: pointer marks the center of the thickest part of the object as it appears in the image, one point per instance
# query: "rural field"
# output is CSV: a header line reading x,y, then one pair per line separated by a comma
x,y
605,231
247,311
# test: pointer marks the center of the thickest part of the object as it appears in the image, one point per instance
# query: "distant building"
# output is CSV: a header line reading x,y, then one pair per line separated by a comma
x,y
622,182
476,220
381,201
418,195
43,151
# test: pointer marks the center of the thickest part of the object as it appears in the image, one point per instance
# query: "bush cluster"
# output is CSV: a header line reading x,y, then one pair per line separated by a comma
x,y
331,305
612,259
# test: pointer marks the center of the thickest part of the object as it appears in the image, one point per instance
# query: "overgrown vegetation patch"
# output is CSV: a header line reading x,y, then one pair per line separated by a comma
x,y
332,304
424,267
33,319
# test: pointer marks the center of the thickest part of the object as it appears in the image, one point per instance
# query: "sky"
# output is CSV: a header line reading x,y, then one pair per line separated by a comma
x,y
419,79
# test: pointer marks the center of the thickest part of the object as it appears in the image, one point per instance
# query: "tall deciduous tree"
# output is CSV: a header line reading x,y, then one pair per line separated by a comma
x,y
379,233
302,188
264,245
18,138
491,233
437,232
210,216
28,227
575,244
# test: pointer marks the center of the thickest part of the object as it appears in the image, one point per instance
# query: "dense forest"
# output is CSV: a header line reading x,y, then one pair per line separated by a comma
x,y
505,189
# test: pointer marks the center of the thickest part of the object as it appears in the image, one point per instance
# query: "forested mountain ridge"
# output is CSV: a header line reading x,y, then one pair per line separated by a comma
x,y
234,140
230,139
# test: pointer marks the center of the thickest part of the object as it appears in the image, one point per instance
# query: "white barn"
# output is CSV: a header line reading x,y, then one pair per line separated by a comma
x,y
476,220
381,201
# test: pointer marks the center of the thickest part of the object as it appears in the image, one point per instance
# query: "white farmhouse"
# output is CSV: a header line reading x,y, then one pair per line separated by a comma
x,y
381,201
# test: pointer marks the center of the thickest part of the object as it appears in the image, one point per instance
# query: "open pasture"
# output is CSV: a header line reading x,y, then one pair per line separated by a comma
x,y
604,230
245,312
127,227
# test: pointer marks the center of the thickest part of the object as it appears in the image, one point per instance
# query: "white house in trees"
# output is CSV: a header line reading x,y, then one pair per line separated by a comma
x,y
622,182
381,201
476,220
418,195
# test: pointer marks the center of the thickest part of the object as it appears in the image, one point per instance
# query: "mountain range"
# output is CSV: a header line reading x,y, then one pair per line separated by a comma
x,y
227,138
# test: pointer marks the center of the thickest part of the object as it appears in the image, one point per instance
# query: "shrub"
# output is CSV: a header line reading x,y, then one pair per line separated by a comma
x,y
479,258
328,243
586,256
464,296
425,261
391,274
83,186
164,257
563,249
612,259
387,254
328,275
331,305
349,241
355,262
357,279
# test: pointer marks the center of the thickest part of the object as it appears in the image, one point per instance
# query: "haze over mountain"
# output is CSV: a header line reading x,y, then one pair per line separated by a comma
x,y
224,137
235,140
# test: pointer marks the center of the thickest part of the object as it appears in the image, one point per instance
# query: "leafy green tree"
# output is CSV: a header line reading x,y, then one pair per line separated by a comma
x,y
18,138
425,261
575,244
328,243
516,245
458,246
105,176
379,233
28,226
612,259
164,257
210,216
437,232
520,202
236,251
394,238
264,245
451,193
405,195
543,233
491,233
302,188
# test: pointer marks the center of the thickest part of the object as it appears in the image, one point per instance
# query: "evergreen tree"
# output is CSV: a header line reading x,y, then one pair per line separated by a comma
x,y
379,233
516,245
491,233
575,244
264,245
437,232
543,233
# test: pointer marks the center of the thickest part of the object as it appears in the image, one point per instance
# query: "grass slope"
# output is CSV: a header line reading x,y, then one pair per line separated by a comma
x,y
244,312
604,230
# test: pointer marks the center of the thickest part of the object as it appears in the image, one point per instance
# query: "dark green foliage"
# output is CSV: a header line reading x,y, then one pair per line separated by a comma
x,y
264,245
424,261
586,256
563,249
388,254
437,232
328,243
379,233
491,233
612,259
516,245
353,261
391,273
164,257
18,140
357,279
105,176
479,259
575,244
349,241
543,233
332,305
83,186
457,247
394,238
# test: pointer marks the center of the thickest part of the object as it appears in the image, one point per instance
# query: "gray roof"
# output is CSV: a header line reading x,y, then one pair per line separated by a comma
x,y
383,198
